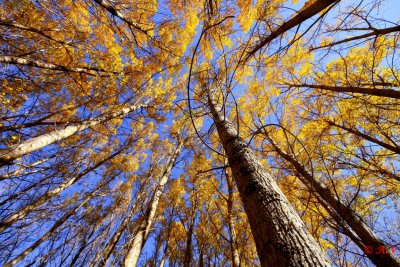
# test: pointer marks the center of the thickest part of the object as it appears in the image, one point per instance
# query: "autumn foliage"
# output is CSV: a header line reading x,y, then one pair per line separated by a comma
x,y
199,133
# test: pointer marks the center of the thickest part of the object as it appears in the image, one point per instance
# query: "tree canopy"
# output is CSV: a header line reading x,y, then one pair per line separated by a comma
x,y
199,133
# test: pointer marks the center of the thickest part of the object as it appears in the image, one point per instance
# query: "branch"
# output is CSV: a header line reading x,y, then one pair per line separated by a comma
x,y
353,130
49,66
306,12
391,93
42,32
375,32
118,14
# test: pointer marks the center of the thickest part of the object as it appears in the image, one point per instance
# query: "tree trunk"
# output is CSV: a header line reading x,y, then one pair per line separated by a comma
x,y
164,256
201,258
310,8
82,247
188,250
13,152
105,253
233,242
144,228
104,4
364,233
391,93
280,235
162,262
49,66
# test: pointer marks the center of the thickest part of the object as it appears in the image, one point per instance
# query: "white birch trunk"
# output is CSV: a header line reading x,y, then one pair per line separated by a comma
x,y
18,150
144,229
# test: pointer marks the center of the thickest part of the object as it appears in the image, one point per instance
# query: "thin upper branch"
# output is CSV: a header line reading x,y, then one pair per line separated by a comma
x,y
306,12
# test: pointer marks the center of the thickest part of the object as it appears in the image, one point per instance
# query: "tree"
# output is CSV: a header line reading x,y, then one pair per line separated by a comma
x,y
214,133
143,230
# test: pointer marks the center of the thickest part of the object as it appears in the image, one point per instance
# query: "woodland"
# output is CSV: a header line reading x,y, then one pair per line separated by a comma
x,y
199,133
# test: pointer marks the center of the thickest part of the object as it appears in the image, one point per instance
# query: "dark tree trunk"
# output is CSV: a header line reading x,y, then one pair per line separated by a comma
x,y
280,235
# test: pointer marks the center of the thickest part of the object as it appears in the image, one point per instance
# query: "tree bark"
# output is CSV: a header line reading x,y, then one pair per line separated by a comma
x,y
391,93
143,232
164,256
280,235
49,66
104,4
374,32
201,258
366,235
16,151
310,8
162,262
233,242
188,250
109,248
